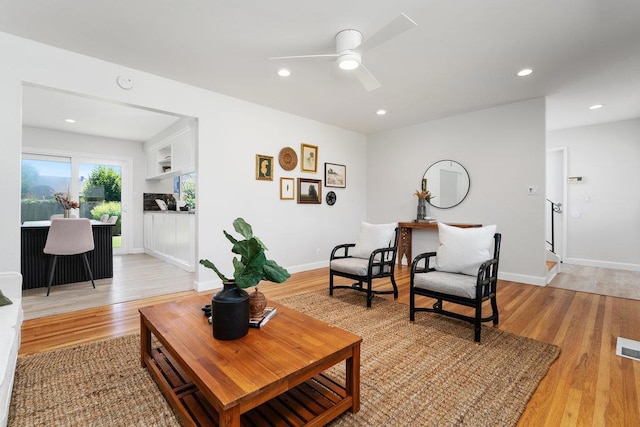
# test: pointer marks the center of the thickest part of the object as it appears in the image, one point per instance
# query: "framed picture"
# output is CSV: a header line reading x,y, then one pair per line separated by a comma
x,y
286,188
309,190
335,175
264,167
309,156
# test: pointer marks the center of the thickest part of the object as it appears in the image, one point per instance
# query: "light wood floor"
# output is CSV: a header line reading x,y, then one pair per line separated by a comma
x,y
134,277
588,385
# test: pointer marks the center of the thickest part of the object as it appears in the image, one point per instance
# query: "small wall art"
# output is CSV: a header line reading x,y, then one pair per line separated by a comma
x,y
335,175
287,188
264,167
309,191
309,155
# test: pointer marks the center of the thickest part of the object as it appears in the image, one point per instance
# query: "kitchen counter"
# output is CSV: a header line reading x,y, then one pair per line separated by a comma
x,y
171,212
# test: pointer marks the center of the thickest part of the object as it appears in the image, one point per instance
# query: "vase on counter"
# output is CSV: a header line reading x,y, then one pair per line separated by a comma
x,y
422,209
66,213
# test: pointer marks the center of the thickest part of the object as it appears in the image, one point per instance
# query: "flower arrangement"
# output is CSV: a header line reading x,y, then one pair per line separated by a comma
x,y
426,195
65,201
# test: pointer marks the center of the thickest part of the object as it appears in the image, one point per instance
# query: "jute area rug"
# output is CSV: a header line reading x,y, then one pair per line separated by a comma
x,y
425,373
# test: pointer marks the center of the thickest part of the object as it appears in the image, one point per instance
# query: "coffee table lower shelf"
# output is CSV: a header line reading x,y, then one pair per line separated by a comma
x,y
314,401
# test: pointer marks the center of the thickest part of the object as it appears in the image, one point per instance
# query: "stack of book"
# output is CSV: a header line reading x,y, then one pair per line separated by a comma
x,y
259,322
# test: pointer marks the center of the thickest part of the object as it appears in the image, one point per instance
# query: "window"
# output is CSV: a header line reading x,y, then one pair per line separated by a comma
x,y
42,177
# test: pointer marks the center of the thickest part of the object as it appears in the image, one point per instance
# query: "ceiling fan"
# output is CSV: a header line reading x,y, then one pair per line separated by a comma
x,y
350,47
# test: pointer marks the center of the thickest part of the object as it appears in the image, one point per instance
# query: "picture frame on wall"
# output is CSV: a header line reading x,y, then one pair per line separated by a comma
x,y
309,191
264,167
287,191
308,158
335,175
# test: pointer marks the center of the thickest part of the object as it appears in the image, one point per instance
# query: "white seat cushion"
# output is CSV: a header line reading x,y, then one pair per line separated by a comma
x,y
9,339
460,285
463,250
355,266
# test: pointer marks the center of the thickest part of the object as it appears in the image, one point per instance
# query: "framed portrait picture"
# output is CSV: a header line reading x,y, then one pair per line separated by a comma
x,y
309,158
309,190
264,167
286,188
335,175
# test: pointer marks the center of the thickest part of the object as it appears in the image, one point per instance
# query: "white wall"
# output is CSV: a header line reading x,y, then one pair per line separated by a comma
x,y
502,148
603,211
231,133
109,148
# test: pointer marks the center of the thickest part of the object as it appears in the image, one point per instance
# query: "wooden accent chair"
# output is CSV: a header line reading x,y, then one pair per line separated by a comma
x,y
461,272
69,236
372,257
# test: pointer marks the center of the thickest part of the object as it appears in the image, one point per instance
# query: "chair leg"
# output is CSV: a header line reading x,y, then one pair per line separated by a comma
x,y
494,307
330,284
52,269
369,293
477,325
412,305
87,269
395,287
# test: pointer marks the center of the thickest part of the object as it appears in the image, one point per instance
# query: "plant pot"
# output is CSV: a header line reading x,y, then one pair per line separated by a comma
x,y
230,307
257,303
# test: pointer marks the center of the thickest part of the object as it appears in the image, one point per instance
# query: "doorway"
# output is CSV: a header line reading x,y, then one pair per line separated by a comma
x,y
556,195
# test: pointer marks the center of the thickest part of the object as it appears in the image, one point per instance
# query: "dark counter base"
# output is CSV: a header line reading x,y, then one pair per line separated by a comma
x,y
35,263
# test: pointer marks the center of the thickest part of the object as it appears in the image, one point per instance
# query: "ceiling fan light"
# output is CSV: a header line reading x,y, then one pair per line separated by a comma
x,y
349,61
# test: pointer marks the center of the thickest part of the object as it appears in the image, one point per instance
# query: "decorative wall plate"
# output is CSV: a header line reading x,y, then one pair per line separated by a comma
x,y
288,158
331,198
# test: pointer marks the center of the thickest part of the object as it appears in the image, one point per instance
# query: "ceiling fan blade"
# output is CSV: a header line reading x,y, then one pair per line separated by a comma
x,y
366,78
394,28
327,56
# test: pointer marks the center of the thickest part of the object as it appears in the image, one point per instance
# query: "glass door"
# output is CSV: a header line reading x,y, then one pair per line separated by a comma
x,y
99,188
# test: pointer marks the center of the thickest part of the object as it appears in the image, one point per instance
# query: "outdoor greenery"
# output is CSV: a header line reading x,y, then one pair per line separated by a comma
x,y
111,209
103,184
189,192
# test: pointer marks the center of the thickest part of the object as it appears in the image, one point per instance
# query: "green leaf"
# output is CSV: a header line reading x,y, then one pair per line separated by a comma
x,y
230,237
274,273
243,228
210,265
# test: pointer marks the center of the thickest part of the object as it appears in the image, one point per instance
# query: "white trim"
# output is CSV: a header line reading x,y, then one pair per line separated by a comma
x,y
523,278
603,264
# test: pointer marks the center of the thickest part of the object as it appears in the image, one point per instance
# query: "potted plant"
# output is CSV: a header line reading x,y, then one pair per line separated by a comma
x,y
230,305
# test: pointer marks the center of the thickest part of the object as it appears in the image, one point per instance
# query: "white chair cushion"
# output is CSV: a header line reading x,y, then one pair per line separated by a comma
x,y
356,266
463,250
459,285
372,237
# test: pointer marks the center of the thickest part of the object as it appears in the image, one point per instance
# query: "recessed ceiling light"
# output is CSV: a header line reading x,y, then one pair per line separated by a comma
x,y
69,120
524,72
381,112
596,106
283,72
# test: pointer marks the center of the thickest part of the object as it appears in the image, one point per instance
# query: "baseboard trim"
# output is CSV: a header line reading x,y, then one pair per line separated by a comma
x,y
523,278
602,264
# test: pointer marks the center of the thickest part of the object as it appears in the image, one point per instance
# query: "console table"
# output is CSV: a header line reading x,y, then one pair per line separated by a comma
x,y
406,228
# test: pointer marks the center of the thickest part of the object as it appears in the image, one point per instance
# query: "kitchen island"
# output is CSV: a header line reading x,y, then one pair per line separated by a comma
x,y
35,263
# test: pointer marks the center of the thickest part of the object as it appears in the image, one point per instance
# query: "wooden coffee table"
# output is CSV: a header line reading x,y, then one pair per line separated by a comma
x,y
274,373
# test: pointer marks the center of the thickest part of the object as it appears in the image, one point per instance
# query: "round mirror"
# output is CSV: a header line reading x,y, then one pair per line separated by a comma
x,y
448,181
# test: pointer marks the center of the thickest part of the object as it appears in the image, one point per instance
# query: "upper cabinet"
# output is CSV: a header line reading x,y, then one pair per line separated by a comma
x,y
171,152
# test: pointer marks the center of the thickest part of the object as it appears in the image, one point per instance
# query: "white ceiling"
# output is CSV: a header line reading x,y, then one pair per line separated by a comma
x,y
462,56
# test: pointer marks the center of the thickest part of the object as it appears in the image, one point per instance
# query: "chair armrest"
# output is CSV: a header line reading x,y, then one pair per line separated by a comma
x,y
487,276
415,268
382,256
345,247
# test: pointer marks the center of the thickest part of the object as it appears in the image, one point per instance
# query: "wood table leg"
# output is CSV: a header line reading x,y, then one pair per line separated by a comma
x,y
404,248
230,417
353,378
145,341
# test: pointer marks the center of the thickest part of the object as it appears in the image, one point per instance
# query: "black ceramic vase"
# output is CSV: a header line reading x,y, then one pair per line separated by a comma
x,y
230,312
